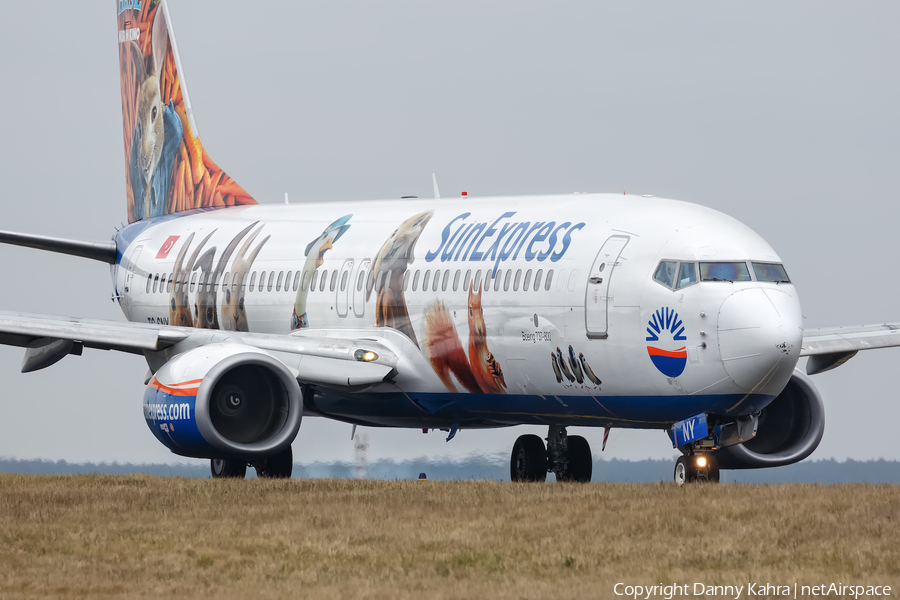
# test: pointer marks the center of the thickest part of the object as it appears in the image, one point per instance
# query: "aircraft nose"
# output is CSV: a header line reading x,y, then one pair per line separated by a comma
x,y
760,332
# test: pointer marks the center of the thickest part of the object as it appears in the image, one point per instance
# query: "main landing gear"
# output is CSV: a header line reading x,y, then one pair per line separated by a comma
x,y
279,466
700,466
568,456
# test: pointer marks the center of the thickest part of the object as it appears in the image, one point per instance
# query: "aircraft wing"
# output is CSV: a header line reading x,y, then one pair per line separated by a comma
x,y
314,356
830,347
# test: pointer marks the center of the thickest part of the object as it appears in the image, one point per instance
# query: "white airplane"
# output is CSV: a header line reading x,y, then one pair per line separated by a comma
x,y
599,310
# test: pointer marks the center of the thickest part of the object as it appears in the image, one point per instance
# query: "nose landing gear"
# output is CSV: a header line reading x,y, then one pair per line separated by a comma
x,y
696,467
568,456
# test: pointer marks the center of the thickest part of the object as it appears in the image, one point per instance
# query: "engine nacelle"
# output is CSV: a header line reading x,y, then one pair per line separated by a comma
x,y
790,429
224,401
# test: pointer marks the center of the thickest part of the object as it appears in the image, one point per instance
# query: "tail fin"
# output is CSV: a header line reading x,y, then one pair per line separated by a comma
x,y
166,168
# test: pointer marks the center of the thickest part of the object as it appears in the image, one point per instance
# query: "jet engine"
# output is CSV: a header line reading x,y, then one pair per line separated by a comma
x,y
224,401
789,429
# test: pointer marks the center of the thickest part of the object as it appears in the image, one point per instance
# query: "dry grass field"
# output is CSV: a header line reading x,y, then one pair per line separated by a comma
x,y
139,536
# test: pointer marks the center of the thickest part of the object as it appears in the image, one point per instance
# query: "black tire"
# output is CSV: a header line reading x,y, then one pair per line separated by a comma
x,y
580,462
279,466
227,469
529,459
685,470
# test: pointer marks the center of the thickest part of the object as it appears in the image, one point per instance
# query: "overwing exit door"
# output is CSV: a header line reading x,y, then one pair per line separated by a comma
x,y
596,302
127,288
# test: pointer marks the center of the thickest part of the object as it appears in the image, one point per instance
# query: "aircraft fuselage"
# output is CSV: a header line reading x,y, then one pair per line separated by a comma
x,y
504,311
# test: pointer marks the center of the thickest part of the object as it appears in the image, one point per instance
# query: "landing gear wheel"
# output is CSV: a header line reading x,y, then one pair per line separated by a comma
x,y
580,463
227,469
279,466
529,459
685,471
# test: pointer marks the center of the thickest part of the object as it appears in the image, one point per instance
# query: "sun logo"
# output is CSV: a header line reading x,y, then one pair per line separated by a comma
x,y
666,328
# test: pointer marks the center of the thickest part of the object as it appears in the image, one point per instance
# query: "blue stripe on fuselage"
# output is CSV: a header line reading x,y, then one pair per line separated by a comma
x,y
413,410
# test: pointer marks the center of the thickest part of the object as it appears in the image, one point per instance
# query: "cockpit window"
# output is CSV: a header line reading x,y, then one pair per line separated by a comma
x,y
724,271
687,275
665,273
770,272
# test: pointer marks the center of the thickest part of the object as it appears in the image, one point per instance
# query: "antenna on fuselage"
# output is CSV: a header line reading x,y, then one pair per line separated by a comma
x,y
437,192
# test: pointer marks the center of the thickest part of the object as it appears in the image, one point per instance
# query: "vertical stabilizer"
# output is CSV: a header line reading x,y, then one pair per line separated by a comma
x,y
166,168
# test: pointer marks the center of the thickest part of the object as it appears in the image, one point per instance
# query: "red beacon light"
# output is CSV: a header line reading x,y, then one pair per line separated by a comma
x,y
465,194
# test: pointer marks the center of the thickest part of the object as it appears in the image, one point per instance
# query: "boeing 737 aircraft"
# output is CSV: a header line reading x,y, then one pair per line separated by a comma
x,y
599,310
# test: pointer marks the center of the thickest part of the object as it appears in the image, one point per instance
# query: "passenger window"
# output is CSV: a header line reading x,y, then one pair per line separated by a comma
x,y
665,273
498,275
193,281
437,280
287,281
466,280
304,285
527,280
149,282
445,280
506,280
549,280
344,279
456,280
370,282
278,281
262,281
296,280
724,271
687,275
234,281
517,280
312,281
253,281
333,280
271,281
184,283
225,282
162,283
379,281
537,279
425,279
360,281
406,281
155,282
476,285
323,280
416,281
770,272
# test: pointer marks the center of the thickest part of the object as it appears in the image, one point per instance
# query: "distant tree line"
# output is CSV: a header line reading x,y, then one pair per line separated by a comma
x,y
492,468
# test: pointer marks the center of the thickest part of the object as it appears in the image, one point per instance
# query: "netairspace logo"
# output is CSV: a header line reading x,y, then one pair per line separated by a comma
x,y
751,590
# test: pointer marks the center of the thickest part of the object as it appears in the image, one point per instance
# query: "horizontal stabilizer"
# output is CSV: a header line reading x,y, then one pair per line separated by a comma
x,y
102,251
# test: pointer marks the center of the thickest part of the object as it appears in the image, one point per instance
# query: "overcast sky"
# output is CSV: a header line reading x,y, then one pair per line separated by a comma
x,y
783,115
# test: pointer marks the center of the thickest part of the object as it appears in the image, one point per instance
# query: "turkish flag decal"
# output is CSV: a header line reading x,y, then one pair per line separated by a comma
x,y
167,246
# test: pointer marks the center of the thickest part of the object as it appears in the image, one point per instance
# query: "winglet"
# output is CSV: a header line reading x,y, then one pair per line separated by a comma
x,y
437,193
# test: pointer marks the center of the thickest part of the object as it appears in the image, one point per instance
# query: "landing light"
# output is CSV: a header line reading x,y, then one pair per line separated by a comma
x,y
701,461
365,355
